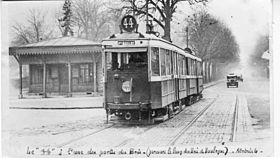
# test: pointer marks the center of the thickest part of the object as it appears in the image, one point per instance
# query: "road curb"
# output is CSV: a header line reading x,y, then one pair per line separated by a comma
x,y
212,84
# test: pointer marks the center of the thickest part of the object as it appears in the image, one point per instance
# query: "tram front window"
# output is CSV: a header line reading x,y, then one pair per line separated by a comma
x,y
126,61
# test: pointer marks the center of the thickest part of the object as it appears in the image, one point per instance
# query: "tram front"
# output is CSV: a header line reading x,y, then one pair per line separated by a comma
x,y
126,81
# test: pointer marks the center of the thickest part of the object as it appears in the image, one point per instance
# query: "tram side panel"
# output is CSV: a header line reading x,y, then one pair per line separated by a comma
x,y
168,92
200,83
193,86
162,93
156,100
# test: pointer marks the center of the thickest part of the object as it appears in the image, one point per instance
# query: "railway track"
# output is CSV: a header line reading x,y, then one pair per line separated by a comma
x,y
186,127
84,136
127,141
174,140
146,129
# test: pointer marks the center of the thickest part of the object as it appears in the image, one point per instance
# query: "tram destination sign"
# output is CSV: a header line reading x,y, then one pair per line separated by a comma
x,y
128,23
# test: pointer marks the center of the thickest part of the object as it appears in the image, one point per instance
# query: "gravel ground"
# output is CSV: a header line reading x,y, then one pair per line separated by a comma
x,y
258,99
259,110
52,128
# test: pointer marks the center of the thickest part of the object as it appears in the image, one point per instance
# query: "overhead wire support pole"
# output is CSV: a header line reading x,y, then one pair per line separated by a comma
x,y
133,8
187,30
147,12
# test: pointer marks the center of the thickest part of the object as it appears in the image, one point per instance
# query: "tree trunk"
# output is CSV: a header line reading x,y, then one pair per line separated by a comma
x,y
167,29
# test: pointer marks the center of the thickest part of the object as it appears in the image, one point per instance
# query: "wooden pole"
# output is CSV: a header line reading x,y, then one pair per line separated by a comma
x,y
147,18
44,80
94,74
69,80
20,81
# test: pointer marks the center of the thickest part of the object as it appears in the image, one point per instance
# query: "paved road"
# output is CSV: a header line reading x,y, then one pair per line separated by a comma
x,y
84,128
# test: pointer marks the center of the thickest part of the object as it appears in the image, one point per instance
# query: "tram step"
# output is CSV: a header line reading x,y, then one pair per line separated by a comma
x,y
161,118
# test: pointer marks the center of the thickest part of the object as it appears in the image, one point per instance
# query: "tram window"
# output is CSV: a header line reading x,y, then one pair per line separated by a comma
x,y
189,66
194,70
155,61
181,60
185,66
175,63
108,58
172,62
123,61
162,62
168,61
199,68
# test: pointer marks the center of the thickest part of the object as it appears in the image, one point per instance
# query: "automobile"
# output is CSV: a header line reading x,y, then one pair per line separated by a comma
x,y
232,80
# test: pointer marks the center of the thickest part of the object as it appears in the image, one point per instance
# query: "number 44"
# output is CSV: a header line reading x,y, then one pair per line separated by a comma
x,y
130,23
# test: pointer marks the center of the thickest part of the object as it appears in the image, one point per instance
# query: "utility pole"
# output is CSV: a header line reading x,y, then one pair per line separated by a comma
x,y
147,23
187,30
133,8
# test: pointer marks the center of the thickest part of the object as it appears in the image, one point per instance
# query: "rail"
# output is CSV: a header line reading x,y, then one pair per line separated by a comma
x,y
234,122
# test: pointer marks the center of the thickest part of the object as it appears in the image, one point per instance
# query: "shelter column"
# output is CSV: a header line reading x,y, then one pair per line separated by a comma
x,y
20,81
44,79
94,74
69,80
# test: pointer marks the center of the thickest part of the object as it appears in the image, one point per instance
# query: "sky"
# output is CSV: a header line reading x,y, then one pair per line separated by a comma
x,y
248,19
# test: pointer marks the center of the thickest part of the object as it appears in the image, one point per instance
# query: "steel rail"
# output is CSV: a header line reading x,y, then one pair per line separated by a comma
x,y
131,139
235,119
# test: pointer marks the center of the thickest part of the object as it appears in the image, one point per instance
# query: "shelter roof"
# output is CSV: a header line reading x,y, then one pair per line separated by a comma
x,y
57,46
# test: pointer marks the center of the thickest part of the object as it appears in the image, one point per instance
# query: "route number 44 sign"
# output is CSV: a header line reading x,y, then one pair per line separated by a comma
x,y
128,23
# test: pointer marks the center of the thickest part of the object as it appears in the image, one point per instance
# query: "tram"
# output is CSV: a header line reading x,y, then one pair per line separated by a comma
x,y
147,78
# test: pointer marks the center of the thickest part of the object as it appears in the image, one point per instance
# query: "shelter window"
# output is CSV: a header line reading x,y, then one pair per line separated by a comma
x,y
36,74
86,73
155,61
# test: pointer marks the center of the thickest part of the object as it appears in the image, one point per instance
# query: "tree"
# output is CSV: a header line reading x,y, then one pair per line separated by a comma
x,y
160,11
33,29
66,21
211,38
92,19
261,46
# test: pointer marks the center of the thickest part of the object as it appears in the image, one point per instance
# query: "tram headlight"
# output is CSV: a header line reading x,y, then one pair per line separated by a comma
x,y
126,86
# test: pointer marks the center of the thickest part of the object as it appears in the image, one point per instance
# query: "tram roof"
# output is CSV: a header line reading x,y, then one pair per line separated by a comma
x,y
144,36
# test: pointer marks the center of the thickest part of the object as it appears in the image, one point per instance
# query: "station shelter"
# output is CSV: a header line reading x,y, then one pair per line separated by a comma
x,y
61,66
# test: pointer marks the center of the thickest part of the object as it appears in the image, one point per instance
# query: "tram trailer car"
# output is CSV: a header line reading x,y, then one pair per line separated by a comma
x,y
148,78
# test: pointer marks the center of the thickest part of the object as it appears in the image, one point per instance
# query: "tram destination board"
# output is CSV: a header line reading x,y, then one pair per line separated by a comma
x,y
128,23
